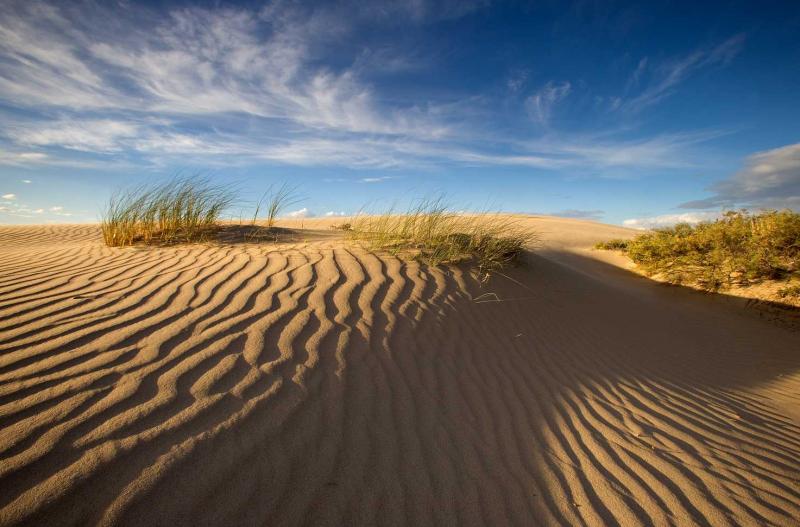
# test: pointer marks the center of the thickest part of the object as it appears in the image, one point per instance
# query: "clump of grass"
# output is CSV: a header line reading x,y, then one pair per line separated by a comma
x,y
617,244
792,291
181,210
739,248
274,201
278,199
431,232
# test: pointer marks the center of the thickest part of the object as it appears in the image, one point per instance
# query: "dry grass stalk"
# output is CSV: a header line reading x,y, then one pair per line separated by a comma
x,y
181,210
431,232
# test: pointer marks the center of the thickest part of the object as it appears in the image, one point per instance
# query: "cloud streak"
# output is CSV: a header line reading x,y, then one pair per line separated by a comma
x,y
668,220
663,79
541,104
228,86
770,179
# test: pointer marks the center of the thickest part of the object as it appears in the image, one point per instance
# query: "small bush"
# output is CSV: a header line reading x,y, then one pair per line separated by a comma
x,y
432,233
181,210
789,292
617,244
739,248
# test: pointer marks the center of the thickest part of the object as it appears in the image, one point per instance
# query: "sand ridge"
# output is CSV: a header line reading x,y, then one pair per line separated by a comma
x,y
315,383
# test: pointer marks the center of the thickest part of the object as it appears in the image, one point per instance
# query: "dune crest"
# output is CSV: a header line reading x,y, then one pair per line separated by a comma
x,y
317,383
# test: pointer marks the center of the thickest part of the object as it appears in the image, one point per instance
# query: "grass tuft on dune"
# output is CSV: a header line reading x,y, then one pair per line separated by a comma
x,y
180,210
275,200
740,248
188,210
434,234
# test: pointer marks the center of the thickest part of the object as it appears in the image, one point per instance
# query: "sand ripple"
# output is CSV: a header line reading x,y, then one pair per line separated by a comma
x,y
319,384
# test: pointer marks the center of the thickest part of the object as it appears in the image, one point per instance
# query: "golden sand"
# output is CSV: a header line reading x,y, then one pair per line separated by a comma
x,y
310,382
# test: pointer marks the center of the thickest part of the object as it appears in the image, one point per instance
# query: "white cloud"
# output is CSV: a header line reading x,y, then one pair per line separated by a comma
x,y
664,78
517,79
770,179
9,196
26,181
357,152
235,86
93,135
195,61
21,158
302,213
16,209
333,213
667,220
540,105
597,152
375,179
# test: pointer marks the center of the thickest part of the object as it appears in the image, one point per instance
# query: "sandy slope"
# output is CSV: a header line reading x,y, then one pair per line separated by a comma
x,y
314,383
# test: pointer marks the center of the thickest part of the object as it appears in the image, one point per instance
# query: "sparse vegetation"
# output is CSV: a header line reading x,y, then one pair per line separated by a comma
x,y
792,291
181,210
278,199
189,210
432,233
616,244
740,248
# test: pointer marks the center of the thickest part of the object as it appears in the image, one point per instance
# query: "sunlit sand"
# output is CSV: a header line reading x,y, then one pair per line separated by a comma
x,y
310,381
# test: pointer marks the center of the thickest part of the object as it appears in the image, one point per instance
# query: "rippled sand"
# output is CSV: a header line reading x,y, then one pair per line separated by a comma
x,y
311,382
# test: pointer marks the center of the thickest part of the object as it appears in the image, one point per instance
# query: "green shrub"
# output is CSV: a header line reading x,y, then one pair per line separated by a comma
x,y
738,248
616,244
789,292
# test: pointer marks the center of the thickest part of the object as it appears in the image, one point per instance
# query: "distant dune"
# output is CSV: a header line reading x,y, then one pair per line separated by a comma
x,y
310,382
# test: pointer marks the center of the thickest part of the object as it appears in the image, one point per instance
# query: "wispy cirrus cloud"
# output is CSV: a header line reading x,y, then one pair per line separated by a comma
x,y
198,61
21,158
94,135
540,105
652,82
235,85
517,79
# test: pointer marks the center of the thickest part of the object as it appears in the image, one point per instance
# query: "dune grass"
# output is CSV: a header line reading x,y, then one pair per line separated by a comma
x,y
180,210
430,232
740,248
277,199
274,201
186,210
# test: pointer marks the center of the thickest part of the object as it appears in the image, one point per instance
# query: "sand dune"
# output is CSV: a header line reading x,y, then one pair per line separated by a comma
x,y
311,382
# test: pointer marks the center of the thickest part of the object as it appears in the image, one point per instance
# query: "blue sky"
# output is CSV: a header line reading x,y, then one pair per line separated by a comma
x,y
634,113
